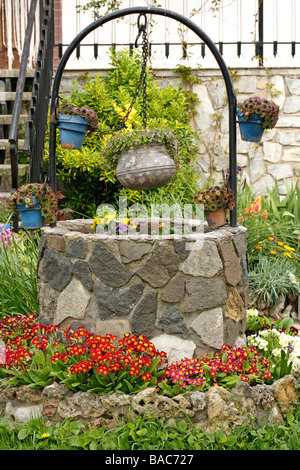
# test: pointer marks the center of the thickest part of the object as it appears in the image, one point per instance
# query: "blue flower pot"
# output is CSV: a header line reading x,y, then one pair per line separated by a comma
x,y
72,131
31,217
251,129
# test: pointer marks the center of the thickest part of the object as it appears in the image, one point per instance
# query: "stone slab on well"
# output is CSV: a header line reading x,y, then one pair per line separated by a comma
x,y
185,287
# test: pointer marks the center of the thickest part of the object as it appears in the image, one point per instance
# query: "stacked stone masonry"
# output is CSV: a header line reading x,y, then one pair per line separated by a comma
x,y
216,408
186,298
276,157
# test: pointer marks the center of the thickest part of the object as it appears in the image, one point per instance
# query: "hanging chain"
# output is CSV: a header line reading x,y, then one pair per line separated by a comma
x,y
142,79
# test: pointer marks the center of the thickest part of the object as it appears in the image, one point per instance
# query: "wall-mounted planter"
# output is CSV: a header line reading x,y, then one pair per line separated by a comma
x,y
73,130
251,129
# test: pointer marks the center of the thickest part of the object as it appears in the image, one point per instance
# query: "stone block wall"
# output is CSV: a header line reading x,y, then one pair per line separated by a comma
x,y
277,156
186,298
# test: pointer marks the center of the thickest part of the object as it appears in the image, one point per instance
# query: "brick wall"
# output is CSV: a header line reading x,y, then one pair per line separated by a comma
x,y
57,30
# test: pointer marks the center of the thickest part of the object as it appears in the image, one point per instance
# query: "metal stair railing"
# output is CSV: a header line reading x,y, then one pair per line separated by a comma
x,y
38,113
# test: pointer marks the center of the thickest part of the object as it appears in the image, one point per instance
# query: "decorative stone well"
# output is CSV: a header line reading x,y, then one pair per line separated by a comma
x,y
187,293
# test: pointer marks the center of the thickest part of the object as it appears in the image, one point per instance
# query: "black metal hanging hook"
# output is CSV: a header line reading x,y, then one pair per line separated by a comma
x,y
141,27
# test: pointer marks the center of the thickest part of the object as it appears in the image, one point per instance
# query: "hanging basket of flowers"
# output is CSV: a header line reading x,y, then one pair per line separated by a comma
x,y
254,116
143,159
216,200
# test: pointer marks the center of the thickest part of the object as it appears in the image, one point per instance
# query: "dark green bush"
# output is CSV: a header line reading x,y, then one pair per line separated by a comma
x,y
87,180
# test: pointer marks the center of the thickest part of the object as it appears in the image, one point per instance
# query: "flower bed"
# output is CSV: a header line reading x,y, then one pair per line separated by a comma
x,y
100,380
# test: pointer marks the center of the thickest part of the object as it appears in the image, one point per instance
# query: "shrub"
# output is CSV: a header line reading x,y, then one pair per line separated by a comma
x,y
87,178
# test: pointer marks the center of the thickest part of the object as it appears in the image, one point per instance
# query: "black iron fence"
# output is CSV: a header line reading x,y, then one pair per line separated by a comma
x,y
38,113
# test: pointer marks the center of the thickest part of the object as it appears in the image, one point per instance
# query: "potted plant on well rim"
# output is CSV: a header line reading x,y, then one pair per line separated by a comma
x,y
216,200
254,116
143,158
74,124
36,204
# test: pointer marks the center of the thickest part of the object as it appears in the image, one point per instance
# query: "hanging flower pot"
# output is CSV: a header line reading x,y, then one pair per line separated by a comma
x,y
251,129
74,124
216,201
31,217
72,131
254,116
143,159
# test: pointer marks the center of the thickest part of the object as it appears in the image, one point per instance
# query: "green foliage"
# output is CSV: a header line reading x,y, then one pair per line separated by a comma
x,y
86,176
19,283
149,432
273,234
269,278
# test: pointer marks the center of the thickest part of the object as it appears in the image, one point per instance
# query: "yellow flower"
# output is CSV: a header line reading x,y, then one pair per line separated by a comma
x,y
271,239
96,222
258,247
288,255
45,435
289,248
273,252
279,243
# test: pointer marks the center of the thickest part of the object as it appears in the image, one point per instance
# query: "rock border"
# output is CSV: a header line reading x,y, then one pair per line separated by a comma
x,y
214,409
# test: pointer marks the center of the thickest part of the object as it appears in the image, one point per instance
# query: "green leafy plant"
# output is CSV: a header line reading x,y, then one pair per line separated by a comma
x,y
87,178
224,368
140,137
269,278
19,282
276,340
265,109
84,361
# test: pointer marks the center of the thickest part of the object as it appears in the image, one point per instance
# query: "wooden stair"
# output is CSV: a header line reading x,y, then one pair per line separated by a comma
x,y
8,82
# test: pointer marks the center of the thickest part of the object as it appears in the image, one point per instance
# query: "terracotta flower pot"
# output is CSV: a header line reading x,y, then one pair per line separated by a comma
x,y
216,218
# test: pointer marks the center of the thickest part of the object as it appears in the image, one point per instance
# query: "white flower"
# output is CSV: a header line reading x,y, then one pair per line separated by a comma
x,y
263,344
251,312
276,352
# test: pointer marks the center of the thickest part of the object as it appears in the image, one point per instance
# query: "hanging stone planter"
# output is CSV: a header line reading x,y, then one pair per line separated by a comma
x,y
145,167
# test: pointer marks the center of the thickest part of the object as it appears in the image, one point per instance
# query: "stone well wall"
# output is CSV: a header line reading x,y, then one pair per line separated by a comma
x,y
186,298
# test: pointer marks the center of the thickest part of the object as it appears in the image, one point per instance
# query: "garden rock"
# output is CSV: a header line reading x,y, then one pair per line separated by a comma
x,y
107,268
204,261
173,322
173,292
57,269
117,301
209,326
216,408
284,391
175,348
